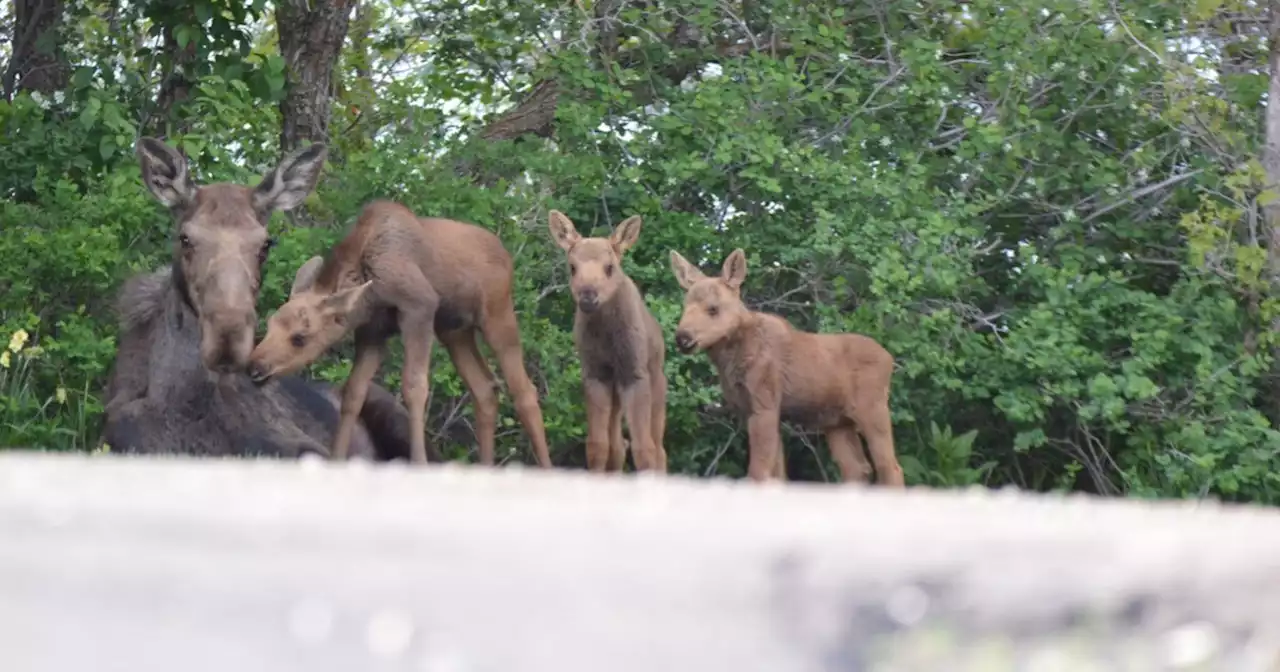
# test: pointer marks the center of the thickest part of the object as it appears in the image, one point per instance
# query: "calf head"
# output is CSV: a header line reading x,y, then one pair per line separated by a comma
x,y
713,308
310,322
222,242
595,271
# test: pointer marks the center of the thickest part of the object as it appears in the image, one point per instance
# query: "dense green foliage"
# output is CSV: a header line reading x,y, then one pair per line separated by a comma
x,y
1044,213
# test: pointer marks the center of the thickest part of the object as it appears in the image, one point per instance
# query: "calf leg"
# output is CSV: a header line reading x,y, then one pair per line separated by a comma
x,y
765,442
503,334
638,402
875,426
369,352
780,471
415,301
659,418
480,382
418,336
617,445
598,398
846,449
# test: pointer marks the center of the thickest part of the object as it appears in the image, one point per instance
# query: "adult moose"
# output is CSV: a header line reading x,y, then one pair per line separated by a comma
x,y
769,371
420,277
178,383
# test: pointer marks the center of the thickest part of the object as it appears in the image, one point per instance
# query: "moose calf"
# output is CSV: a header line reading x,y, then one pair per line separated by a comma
x,y
621,347
769,371
395,272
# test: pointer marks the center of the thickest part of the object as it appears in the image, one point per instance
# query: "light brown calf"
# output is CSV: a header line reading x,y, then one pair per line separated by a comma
x,y
770,371
621,347
421,277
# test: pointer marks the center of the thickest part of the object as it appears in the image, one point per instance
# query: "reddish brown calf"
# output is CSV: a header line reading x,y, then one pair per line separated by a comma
x,y
621,347
420,277
770,371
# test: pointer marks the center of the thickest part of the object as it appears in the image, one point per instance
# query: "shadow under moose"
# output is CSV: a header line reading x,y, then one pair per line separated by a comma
x,y
179,383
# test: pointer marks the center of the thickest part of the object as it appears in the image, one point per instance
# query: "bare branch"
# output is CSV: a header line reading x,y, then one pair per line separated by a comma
x,y
1144,191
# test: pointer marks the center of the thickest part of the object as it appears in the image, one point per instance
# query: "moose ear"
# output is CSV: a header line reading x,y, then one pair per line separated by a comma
x,y
289,184
562,230
686,273
735,269
164,171
625,234
306,275
344,302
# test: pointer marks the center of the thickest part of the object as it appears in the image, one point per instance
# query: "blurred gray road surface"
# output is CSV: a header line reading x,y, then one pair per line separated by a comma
x,y
164,565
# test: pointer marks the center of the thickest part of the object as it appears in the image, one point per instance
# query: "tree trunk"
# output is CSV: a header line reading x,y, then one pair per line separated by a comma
x,y
175,88
1239,56
1271,163
311,37
37,61
535,115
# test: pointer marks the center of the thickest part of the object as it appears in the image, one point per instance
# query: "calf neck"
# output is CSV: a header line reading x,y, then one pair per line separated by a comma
x,y
770,371
621,348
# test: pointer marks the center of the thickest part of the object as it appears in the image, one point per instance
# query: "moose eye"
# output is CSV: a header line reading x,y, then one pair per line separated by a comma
x,y
573,269
298,340
185,241
608,271
713,310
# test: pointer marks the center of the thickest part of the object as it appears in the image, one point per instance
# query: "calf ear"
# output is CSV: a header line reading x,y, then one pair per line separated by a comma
x,y
341,304
735,269
685,272
625,234
164,171
562,230
289,184
306,275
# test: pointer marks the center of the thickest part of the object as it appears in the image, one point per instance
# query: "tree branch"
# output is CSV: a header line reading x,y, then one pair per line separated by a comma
x,y
534,115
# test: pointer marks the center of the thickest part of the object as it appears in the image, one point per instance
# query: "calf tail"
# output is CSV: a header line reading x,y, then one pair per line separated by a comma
x,y
387,422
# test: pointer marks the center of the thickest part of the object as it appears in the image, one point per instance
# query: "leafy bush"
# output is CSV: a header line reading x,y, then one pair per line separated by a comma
x,y
1024,206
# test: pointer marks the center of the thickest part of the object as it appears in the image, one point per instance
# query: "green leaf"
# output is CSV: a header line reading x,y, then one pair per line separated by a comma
x,y
1027,440
184,35
106,147
204,11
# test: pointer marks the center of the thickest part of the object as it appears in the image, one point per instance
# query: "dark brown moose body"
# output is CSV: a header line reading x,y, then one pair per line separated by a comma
x,y
178,383
621,347
770,371
420,277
